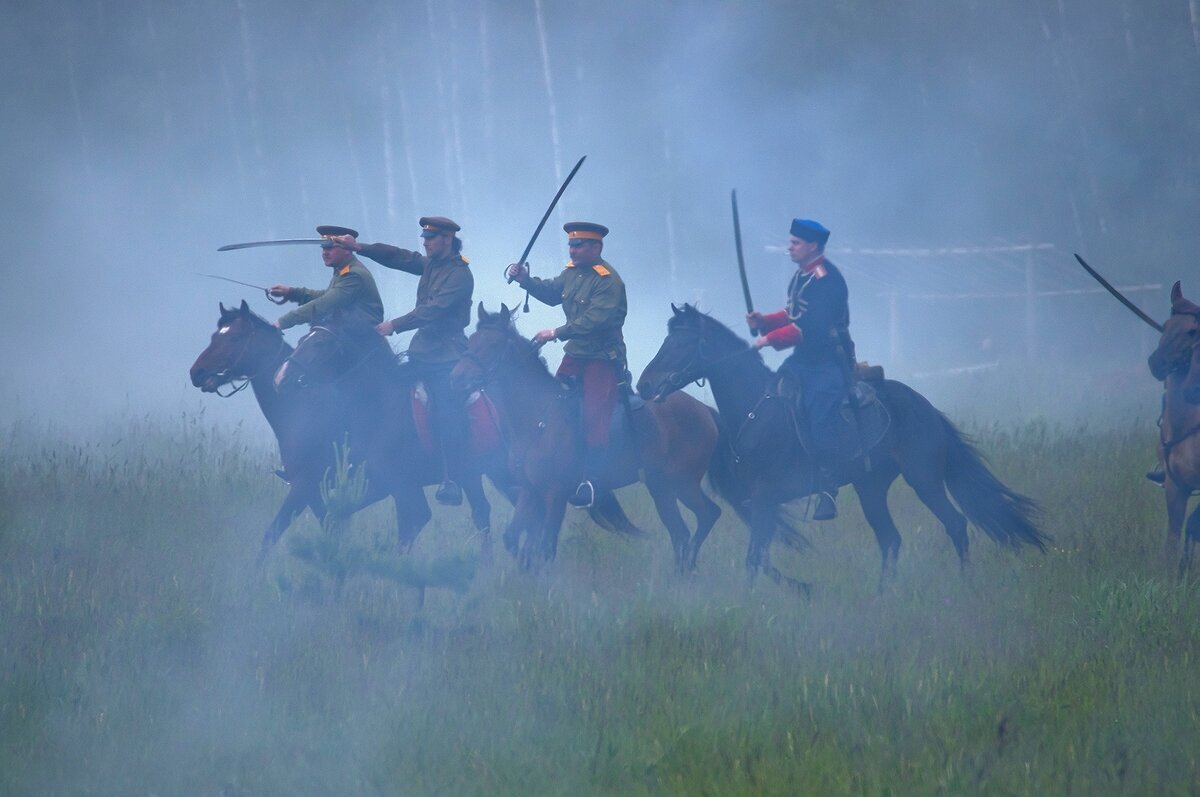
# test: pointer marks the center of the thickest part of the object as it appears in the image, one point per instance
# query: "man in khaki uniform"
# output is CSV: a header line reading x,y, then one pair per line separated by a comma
x,y
442,313
592,296
351,296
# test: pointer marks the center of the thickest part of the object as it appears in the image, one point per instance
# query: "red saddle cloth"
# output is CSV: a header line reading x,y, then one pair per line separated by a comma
x,y
483,432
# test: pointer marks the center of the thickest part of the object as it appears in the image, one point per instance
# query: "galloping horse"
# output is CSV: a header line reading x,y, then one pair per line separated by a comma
x,y
375,400
1176,362
248,349
920,443
673,443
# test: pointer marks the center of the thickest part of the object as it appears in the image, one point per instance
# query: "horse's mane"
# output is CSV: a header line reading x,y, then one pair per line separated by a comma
x,y
690,315
503,322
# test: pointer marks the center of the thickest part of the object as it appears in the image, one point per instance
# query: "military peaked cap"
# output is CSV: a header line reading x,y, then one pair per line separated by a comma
x,y
326,230
585,229
432,226
811,231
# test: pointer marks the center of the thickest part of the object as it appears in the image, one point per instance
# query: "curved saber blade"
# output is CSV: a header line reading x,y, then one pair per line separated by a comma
x,y
286,242
266,291
549,210
1119,296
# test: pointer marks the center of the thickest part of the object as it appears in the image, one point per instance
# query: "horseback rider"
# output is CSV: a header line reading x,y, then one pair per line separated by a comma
x,y
351,296
593,299
816,325
442,312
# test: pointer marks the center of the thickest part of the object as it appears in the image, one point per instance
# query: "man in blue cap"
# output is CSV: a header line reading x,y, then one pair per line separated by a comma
x,y
816,325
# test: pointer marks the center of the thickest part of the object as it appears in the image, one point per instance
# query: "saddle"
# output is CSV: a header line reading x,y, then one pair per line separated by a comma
x,y
483,428
865,420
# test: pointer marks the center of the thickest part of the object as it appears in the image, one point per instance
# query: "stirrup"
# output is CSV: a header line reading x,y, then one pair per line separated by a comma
x,y
584,497
1159,477
449,494
826,507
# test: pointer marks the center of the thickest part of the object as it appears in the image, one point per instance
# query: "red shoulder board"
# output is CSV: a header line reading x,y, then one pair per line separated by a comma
x,y
820,271
601,270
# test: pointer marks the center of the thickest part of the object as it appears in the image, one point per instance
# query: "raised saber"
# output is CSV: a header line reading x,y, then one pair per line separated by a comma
x,y
737,240
1120,297
266,291
542,223
286,242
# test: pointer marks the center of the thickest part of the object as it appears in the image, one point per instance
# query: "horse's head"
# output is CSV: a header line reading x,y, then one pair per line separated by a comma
x,y
489,349
245,345
694,342
327,354
1177,346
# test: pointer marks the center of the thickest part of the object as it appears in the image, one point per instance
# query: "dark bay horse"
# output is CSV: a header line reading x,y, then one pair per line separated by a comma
x,y
374,396
920,443
248,349
673,444
1176,362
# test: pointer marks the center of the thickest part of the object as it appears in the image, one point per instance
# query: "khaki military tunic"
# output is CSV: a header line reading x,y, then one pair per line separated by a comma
x,y
350,298
443,308
593,300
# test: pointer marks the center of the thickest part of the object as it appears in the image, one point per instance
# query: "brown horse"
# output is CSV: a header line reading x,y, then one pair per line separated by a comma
x,y
1176,363
772,466
671,443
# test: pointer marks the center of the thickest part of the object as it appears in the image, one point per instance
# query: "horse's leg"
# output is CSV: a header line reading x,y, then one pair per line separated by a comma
x,y
524,517
1177,501
1190,536
481,511
412,512
667,504
301,495
706,511
932,492
555,507
764,516
872,491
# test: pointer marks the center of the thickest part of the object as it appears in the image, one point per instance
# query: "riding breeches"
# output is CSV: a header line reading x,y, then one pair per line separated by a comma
x,y
447,409
600,382
822,390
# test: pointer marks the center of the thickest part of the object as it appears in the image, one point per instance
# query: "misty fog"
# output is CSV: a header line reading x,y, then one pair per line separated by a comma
x,y
139,137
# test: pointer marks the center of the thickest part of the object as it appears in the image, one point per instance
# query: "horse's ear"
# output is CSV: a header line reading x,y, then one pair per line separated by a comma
x,y
674,309
245,308
480,313
1176,293
224,312
504,309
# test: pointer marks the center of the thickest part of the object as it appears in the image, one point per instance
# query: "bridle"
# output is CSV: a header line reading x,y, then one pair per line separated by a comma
x,y
488,369
240,383
692,372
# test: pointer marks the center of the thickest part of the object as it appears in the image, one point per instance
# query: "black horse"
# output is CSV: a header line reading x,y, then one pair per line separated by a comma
x,y
247,350
375,401
920,443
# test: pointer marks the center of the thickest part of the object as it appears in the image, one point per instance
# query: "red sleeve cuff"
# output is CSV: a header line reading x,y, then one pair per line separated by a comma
x,y
785,336
774,321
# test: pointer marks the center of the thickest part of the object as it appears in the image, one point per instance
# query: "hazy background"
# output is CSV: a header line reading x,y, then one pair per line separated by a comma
x,y
139,137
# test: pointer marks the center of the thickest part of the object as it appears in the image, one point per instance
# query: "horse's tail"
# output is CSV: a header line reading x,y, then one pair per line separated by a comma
x,y
723,478
607,513
1003,514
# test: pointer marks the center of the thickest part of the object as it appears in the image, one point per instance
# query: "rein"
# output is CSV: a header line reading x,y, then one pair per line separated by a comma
x,y
677,379
301,379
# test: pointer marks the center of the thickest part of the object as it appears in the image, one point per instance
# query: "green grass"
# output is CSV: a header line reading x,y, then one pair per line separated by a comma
x,y
144,654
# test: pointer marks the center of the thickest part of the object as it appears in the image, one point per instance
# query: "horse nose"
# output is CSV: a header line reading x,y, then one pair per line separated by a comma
x,y
644,389
198,376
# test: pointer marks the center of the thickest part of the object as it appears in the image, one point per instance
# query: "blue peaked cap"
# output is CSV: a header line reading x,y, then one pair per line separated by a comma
x,y
809,230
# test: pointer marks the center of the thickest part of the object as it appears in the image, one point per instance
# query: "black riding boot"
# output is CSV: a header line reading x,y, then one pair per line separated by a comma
x,y
827,490
1158,476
